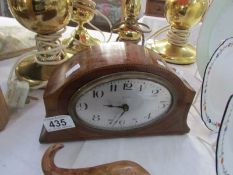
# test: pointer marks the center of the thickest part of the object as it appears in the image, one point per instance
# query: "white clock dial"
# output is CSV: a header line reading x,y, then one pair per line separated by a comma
x,y
123,104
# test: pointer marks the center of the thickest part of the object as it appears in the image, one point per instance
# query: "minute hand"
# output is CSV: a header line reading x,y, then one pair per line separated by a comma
x,y
118,118
125,109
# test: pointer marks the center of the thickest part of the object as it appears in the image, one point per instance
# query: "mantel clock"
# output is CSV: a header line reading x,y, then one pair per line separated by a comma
x,y
117,90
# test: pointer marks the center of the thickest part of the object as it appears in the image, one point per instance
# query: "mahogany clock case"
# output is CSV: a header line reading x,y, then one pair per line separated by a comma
x,y
108,59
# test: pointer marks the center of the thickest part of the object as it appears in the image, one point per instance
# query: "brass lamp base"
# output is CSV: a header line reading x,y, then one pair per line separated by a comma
x,y
174,54
81,41
30,71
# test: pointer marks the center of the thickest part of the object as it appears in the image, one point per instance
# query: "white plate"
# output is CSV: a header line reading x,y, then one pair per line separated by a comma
x,y
224,151
216,27
217,85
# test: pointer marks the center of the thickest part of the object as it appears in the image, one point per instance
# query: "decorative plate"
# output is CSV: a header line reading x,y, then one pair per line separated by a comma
x,y
224,151
217,85
216,27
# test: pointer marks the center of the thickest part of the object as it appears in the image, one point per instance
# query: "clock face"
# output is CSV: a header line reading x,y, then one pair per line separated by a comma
x,y
121,102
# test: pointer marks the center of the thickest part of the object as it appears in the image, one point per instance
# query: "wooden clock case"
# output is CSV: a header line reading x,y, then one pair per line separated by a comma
x,y
107,59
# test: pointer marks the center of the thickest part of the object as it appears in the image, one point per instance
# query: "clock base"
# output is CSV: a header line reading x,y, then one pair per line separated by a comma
x,y
167,126
46,137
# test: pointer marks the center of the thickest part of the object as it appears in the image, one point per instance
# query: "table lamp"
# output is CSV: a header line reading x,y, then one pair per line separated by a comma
x,y
48,19
181,15
129,29
83,12
5,113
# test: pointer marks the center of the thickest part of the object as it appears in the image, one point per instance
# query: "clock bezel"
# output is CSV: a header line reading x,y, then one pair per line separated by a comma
x,y
121,76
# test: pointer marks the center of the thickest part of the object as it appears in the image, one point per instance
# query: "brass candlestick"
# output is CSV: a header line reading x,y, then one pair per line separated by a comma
x,y
129,29
83,12
181,15
46,18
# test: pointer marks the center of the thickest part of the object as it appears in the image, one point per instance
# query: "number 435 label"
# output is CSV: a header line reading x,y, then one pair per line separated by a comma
x,y
57,123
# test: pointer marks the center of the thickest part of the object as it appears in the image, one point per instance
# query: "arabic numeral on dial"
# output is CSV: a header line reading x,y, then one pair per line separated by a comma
x,y
82,106
98,94
164,104
128,86
156,91
140,88
57,123
96,117
121,122
110,121
113,87
148,116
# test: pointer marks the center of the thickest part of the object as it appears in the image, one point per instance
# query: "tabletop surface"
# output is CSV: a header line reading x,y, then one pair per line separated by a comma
x,y
21,152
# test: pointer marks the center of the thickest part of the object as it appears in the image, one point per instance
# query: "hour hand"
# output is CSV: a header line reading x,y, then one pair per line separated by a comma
x,y
112,106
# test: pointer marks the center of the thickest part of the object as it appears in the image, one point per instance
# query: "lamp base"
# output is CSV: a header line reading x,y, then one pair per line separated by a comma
x,y
80,41
172,53
30,71
129,35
